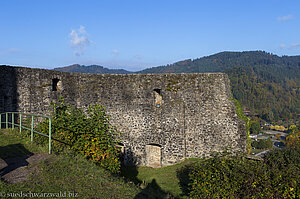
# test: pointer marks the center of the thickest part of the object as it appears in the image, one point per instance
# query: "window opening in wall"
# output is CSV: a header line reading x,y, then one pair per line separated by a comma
x,y
55,84
158,97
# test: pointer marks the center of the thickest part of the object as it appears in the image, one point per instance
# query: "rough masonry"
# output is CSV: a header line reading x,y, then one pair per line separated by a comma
x,y
164,118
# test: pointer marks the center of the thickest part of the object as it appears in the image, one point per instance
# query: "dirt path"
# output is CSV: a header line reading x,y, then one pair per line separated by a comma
x,y
18,169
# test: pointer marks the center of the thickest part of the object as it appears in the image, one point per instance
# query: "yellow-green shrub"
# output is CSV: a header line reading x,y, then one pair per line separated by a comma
x,y
90,135
277,176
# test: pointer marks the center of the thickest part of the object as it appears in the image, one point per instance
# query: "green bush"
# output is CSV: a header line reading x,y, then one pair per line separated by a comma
x,y
262,144
283,167
238,177
255,128
90,135
219,177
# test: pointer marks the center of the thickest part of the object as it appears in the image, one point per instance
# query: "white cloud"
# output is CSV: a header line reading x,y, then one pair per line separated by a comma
x,y
9,51
284,18
79,40
282,46
116,52
82,30
295,45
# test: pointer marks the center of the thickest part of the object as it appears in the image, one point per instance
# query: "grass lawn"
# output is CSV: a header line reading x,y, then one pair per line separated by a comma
x,y
165,178
13,145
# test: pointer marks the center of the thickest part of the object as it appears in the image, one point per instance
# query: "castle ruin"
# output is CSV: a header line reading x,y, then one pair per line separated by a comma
x,y
164,118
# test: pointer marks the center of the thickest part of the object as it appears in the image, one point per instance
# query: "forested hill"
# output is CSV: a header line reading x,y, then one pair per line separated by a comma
x,y
221,61
266,84
76,68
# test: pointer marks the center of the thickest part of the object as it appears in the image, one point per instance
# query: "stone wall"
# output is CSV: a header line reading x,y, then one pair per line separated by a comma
x,y
176,116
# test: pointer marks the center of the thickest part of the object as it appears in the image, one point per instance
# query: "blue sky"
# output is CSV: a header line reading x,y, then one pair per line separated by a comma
x,y
136,34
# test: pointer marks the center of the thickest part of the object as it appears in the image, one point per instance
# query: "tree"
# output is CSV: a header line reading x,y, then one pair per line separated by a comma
x,y
293,129
293,140
262,144
255,128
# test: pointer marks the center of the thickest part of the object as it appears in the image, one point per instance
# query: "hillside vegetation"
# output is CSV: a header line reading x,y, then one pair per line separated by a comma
x,y
277,176
76,68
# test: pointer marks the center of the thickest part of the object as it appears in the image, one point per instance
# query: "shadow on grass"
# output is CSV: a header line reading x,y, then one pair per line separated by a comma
x,y
130,174
184,179
149,190
12,157
153,190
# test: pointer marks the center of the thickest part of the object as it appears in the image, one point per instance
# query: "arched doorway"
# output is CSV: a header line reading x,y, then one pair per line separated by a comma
x,y
153,155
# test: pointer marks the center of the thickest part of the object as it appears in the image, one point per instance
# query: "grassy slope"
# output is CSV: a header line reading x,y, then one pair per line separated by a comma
x,y
64,172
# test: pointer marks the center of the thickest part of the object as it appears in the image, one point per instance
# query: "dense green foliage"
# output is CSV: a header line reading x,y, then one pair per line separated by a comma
x,y
268,96
262,144
255,127
237,177
90,135
293,139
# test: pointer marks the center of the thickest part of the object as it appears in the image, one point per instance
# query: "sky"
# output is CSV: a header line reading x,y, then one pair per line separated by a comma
x,y
137,34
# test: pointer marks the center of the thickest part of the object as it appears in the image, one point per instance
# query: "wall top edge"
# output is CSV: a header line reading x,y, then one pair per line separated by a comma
x,y
110,74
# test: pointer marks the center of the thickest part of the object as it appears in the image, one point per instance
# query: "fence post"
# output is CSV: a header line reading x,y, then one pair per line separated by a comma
x,y
13,120
6,120
32,128
20,122
49,135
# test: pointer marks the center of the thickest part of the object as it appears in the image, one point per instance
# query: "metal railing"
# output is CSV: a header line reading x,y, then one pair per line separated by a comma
x,y
13,123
